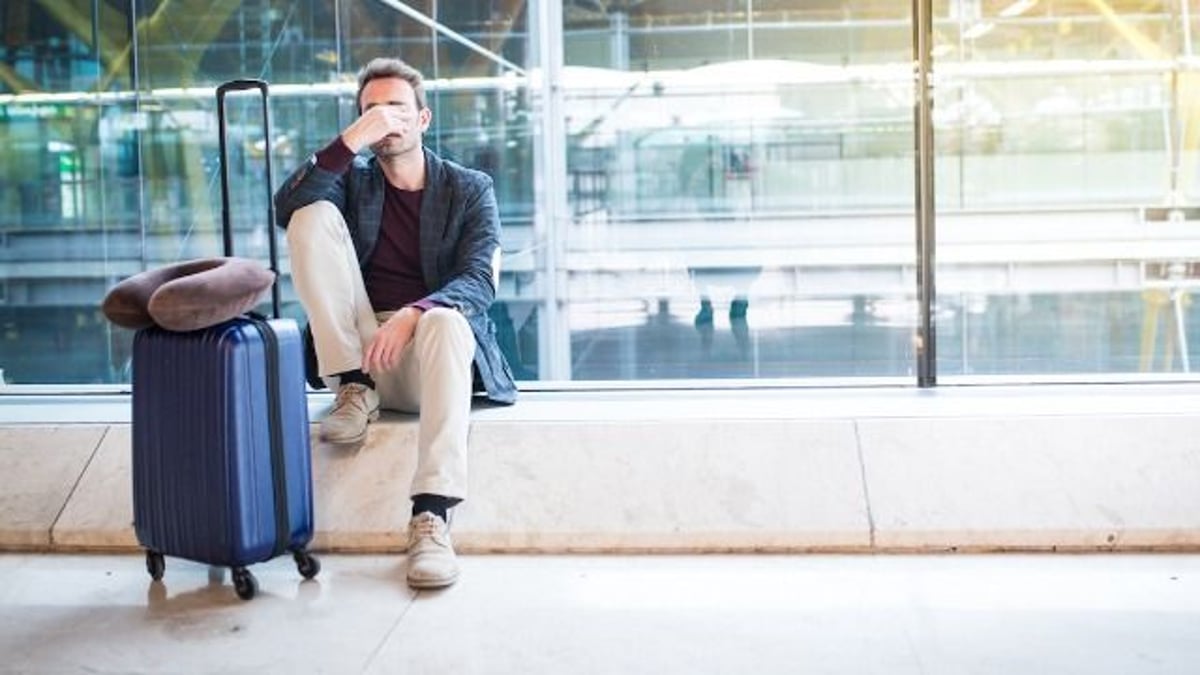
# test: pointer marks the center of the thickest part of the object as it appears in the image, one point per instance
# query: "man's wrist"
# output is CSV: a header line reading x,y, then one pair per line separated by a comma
x,y
350,140
335,157
424,304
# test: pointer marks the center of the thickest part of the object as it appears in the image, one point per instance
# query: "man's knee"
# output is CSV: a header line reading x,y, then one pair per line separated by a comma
x,y
319,219
443,323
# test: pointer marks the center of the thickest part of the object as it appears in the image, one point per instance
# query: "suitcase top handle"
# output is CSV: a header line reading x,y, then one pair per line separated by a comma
x,y
226,223
240,85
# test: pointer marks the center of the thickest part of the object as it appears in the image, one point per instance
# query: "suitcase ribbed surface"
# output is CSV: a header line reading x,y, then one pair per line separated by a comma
x,y
204,486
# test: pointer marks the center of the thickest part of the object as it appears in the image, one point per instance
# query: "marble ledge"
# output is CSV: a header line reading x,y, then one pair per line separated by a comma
x,y
1043,483
673,401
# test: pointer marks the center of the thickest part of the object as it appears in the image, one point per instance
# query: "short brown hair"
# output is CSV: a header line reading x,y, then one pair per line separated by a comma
x,y
384,67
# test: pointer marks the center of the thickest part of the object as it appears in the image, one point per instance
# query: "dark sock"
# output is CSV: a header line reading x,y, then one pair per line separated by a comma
x,y
357,376
435,504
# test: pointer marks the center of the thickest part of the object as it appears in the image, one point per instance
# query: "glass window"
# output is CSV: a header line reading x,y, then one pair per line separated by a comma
x,y
1065,177
66,177
113,164
714,190
740,191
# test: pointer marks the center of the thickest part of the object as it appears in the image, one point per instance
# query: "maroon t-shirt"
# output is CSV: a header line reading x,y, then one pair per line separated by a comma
x,y
393,274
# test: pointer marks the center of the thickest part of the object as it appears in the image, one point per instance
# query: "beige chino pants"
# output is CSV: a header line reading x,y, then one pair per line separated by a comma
x,y
433,377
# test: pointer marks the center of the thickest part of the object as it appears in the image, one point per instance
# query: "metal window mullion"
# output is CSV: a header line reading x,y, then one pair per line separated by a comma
x,y
550,192
926,339
135,83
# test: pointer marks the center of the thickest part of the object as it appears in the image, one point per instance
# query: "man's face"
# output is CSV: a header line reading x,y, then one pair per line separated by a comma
x,y
399,96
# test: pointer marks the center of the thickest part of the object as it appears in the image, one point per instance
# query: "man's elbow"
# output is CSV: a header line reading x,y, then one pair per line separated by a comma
x,y
282,217
283,209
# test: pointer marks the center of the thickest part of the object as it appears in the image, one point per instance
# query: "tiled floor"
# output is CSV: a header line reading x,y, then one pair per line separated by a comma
x,y
1004,614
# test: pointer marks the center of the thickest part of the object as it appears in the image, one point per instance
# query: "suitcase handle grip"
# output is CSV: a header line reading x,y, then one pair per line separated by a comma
x,y
226,222
240,85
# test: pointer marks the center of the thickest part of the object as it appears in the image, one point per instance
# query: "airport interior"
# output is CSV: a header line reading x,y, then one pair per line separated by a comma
x,y
852,336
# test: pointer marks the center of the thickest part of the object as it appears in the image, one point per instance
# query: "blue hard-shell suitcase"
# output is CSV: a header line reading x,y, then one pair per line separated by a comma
x,y
221,466
222,471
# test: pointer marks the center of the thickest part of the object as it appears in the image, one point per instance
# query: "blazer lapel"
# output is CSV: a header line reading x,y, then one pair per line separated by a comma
x,y
433,221
371,214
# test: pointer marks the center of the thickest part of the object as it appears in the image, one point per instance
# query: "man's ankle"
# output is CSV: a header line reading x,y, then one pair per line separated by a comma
x,y
355,376
438,505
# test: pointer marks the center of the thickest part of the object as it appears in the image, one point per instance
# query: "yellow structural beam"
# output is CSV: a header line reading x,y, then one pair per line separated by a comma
x,y
499,33
1145,46
206,18
14,81
1187,84
1159,308
76,17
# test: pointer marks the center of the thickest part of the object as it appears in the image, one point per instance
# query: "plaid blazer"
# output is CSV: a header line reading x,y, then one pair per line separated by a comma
x,y
459,234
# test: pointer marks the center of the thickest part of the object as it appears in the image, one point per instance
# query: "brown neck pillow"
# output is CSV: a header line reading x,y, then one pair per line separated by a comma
x,y
188,295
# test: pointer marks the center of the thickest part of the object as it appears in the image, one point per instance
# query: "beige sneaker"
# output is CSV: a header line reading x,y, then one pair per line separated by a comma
x,y
356,406
431,560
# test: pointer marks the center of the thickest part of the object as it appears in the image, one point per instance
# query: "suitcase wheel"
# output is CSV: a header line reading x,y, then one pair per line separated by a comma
x,y
155,565
307,564
244,583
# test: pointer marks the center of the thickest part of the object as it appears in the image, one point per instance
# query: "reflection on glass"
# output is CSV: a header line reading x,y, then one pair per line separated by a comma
x,y
1065,173
112,150
740,189
735,192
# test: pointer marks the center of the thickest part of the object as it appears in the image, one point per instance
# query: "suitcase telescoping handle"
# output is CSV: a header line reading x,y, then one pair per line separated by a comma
x,y
226,223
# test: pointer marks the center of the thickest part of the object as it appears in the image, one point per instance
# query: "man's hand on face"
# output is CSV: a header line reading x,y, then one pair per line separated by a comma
x,y
390,340
377,123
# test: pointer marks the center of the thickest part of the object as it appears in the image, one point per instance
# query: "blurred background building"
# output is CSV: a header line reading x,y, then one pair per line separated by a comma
x,y
721,190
